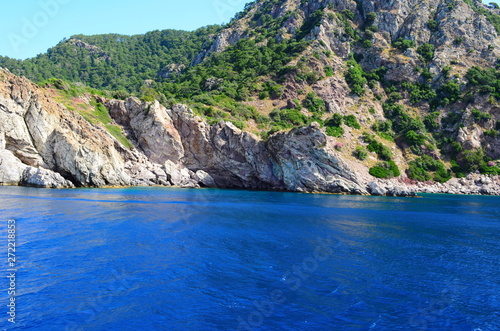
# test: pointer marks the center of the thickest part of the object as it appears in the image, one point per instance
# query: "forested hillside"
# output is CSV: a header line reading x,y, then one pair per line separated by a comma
x,y
115,62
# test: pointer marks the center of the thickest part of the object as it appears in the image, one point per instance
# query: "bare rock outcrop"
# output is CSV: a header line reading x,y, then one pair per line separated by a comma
x,y
195,153
44,178
11,168
307,162
44,144
43,134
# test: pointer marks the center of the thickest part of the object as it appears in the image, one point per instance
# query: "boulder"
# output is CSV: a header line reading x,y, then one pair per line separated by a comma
x,y
43,178
205,179
375,189
11,168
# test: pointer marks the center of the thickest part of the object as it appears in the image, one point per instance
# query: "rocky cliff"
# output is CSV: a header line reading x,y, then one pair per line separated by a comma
x,y
405,69
343,96
44,144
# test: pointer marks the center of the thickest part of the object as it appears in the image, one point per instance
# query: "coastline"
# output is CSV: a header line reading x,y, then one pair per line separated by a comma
x,y
473,184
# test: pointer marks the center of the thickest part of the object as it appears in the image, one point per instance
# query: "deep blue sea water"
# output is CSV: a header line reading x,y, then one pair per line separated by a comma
x,y
181,259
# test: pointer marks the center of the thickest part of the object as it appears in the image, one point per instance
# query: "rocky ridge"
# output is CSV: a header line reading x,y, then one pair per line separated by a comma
x,y
459,36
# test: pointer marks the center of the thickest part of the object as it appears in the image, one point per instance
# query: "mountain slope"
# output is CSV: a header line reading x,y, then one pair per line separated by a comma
x,y
421,73
115,62
405,88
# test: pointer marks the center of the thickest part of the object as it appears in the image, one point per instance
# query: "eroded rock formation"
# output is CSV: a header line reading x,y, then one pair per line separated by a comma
x,y
46,145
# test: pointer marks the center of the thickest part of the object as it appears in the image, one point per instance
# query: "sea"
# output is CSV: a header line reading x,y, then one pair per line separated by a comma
x,y
210,259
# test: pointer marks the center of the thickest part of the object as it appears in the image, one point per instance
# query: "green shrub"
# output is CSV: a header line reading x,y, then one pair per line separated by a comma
x,y
275,90
379,172
386,136
414,139
427,74
263,95
328,71
335,131
393,168
419,92
361,153
426,51
458,40
491,133
480,116
394,96
490,168
432,25
426,168
452,118
493,18
401,121
376,74
355,77
473,160
450,90
288,118
312,21
370,18
476,160
446,71
457,169
239,124
387,169
403,44
351,121
348,14
313,103
383,152
120,95
431,121
334,126
297,103
335,120
484,81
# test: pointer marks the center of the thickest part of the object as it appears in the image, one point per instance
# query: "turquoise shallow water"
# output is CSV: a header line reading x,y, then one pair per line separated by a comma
x,y
174,259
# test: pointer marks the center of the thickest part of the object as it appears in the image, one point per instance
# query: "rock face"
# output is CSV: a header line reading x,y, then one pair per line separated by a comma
x,y
40,133
44,144
472,184
194,153
306,161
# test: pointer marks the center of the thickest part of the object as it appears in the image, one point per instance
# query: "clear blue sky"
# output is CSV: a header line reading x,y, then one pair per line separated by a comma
x,y
30,27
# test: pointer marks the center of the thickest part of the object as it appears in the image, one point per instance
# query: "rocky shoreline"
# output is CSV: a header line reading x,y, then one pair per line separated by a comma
x,y
473,184
43,144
